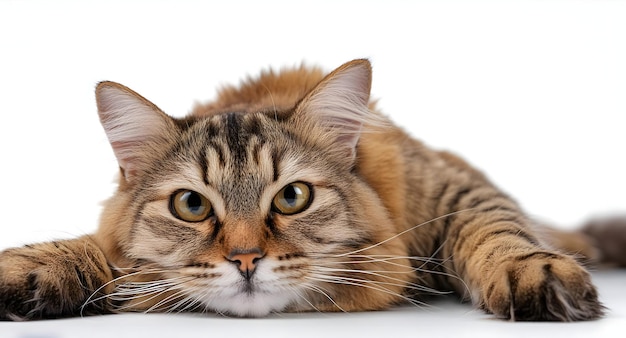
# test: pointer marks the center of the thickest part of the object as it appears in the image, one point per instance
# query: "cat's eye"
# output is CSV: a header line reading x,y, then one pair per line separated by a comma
x,y
190,206
292,199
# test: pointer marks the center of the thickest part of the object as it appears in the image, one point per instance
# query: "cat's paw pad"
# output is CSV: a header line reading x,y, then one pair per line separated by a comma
x,y
541,286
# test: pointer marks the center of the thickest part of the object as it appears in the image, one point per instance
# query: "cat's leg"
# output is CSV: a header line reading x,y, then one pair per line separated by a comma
x,y
609,237
600,242
507,269
53,279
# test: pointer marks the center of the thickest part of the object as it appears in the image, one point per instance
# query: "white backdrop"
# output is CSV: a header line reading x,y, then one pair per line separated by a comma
x,y
532,92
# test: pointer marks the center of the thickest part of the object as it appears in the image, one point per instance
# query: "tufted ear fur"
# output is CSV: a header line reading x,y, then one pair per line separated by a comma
x,y
133,125
339,103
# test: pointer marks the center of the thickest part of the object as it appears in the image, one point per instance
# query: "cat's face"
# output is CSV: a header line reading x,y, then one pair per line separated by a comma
x,y
245,213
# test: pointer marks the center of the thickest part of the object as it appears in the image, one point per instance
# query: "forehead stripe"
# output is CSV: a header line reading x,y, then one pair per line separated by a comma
x,y
235,138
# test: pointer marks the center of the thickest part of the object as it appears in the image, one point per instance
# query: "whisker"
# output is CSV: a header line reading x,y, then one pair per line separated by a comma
x,y
148,295
379,257
193,303
303,297
403,232
324,293
389,260
134,290
400,282
366,284
91,300
173,296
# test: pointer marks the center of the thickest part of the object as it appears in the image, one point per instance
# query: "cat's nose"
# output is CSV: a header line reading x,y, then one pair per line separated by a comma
x,y
246,260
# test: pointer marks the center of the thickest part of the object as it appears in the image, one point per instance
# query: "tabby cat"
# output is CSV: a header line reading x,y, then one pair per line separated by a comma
x,y
291,193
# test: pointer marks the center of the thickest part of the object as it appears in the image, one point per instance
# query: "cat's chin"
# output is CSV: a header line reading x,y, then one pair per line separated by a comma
x,y
249,304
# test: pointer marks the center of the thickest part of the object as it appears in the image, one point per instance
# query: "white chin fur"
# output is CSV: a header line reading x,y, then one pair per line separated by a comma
x,y
249,305
268,295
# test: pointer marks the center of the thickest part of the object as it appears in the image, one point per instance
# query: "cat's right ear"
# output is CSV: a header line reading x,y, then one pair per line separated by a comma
x,y
134,125
339,104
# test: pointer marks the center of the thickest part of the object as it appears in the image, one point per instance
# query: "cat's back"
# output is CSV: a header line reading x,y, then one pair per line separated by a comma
x,y
271,90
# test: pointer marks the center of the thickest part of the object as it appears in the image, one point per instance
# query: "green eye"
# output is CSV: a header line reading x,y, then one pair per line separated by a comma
x,y
190,206
292,199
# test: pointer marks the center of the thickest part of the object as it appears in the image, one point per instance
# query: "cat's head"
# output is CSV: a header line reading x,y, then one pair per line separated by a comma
x,y
247,213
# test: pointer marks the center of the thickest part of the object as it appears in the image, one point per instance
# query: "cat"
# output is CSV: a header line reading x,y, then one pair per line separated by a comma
x,y
293,193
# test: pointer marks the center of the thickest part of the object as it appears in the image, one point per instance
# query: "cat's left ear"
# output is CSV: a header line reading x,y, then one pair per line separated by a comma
x,y
136,128
339,103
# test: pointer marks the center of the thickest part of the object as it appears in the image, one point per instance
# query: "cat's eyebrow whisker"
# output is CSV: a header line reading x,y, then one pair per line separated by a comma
x,y
403,232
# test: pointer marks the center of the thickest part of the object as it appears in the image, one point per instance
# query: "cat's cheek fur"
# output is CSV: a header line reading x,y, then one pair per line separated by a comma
x,y
153,241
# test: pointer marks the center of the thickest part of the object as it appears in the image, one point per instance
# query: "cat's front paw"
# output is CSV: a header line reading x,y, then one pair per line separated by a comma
x,y
51,280
541,286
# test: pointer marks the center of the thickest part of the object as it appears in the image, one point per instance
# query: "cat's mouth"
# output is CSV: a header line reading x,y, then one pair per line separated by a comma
x,y
248,287
241,295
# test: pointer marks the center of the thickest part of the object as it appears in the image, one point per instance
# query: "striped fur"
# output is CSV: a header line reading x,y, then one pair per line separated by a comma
x,y
390,220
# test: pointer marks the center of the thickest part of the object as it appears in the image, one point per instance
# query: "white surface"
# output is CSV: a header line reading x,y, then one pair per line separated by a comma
x,y
445,318
532,92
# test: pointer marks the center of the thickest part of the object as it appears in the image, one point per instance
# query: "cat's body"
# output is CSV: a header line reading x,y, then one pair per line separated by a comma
x,y
291,193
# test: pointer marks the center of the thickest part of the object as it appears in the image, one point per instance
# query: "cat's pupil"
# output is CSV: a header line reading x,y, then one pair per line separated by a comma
x,y
194,203
291,195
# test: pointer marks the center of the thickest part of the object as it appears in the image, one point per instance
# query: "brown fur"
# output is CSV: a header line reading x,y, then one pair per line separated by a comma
x,y
271,90
391,219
